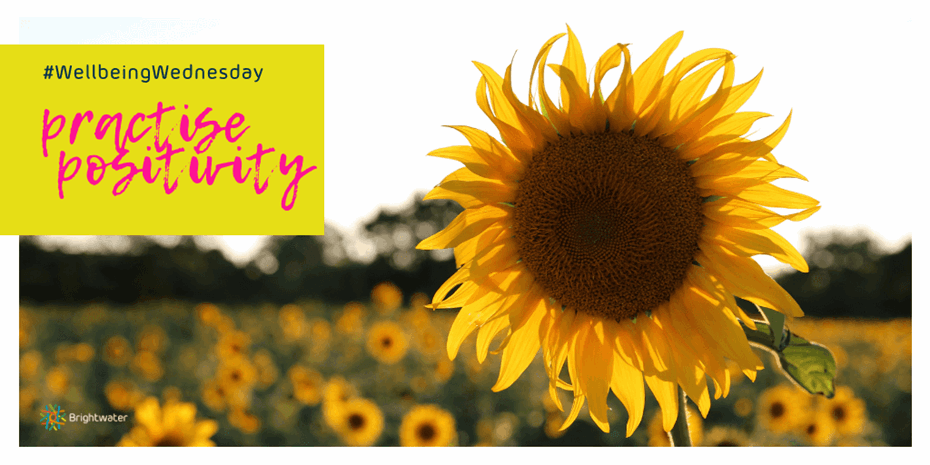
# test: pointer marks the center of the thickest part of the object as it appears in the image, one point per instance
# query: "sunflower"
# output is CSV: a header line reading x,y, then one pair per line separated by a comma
x,y
80,352
293,324
232,345
723,436
818,429
58,380
612,231
117,351
350,321
236,374
29,364
244,421
267,368
214,395
208,314
782,408
27,399
386,298
387,342
122,395
443,370
152,338
174,424
337,392
427,425
360,422
307,384
429,342
846,411
742,407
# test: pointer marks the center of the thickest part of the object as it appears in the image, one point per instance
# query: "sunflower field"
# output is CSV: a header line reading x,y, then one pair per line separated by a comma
x,y
377,373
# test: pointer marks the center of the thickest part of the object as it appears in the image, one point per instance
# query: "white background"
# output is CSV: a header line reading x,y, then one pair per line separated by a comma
x,y
397,71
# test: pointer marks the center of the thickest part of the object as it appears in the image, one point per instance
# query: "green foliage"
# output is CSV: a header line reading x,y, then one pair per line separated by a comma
x,y
808,364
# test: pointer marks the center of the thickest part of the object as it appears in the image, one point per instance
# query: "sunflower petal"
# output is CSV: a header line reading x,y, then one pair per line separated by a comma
x,y
747,215
749,242
627,384
580,115
745,278
464,226
506,165
552,112
647,80
595,367
666,393
489,330
574,63
520,351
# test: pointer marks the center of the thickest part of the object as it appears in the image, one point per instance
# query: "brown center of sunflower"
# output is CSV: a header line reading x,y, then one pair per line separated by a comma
x,y
386,342
777,410
426,432
608,223
839,413
170,439
356,421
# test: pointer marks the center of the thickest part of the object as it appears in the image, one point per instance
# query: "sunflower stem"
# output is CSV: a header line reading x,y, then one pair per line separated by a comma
x,y
680,435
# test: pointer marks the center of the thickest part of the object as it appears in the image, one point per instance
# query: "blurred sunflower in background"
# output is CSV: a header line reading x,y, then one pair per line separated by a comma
x,y
360,422
846,412
351,320
387,342
782,408
174,424
386,298
307,384
337,392
122,395
426,426
117,351
233,344
818,429
613,230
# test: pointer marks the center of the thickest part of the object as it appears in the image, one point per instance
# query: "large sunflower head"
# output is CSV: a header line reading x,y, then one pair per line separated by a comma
x,y
174,424
427,425
613,229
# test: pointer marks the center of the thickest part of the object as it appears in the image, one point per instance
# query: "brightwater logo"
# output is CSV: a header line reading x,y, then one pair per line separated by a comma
x,y
52,417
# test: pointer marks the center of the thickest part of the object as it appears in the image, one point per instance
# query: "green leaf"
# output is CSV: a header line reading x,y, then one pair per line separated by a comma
x,y
776,322
811,365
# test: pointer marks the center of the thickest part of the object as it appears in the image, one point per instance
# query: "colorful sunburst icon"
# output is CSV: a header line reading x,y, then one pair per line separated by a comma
x,y
53,417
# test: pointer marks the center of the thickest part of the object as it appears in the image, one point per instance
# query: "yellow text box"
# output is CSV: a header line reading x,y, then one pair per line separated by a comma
x,y
162,139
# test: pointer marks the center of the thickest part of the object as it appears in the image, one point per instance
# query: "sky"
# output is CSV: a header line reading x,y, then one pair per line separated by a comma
x,y
396,72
